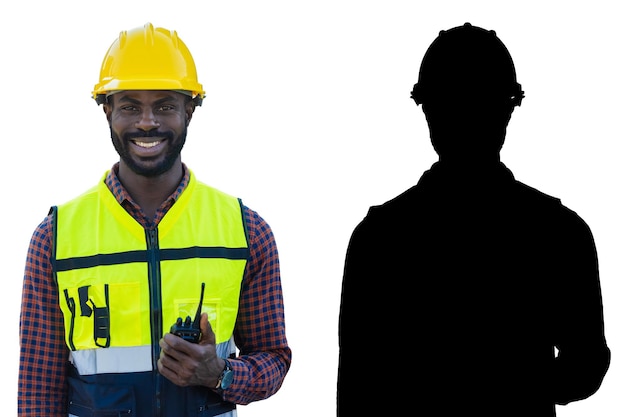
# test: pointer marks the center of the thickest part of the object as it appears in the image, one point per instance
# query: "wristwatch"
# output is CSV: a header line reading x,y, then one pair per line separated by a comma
x,y
226,377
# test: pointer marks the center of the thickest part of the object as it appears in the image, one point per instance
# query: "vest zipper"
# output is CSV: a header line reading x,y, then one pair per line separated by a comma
x,y
156,325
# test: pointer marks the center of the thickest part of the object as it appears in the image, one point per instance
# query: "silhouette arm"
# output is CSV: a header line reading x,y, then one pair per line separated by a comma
x,y
583,355
355,327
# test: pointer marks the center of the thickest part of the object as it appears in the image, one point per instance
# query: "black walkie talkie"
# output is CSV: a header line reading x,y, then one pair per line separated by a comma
x,y
187,330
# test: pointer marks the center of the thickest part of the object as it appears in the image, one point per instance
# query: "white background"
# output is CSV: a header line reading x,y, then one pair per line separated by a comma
x,y
308,119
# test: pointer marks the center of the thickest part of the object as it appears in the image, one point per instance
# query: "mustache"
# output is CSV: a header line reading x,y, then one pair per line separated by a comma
x,y
149,134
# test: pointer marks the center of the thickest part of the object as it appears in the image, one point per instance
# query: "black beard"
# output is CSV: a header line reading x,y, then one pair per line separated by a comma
x,y
175,146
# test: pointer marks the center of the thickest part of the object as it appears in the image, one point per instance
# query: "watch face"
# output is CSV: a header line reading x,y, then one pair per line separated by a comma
x,y
227,378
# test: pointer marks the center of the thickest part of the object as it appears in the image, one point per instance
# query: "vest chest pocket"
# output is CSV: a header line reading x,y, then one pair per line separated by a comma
x,y
104,315
184,307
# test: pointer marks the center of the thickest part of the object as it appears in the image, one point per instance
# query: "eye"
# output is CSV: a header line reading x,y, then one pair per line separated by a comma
x,y
129,108
165,108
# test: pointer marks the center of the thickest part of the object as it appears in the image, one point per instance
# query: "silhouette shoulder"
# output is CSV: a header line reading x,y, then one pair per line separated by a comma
x,y
407,200
552,210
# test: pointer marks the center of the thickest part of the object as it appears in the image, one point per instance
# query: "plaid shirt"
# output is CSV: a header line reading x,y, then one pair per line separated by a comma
x,y
264,356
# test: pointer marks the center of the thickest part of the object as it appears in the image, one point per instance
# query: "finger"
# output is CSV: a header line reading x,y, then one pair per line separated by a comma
x,y
208,337
163,345
161,366
177,348
166,367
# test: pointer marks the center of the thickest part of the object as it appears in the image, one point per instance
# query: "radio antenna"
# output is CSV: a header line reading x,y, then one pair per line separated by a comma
x,y
196,320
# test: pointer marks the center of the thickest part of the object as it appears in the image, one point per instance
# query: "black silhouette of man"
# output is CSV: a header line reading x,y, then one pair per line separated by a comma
x,y
471,293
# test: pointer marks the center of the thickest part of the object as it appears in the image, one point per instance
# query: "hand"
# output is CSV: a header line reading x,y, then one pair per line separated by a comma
x,y
185,363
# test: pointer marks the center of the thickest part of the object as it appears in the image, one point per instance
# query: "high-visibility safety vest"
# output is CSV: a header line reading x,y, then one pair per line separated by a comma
x,y
121,287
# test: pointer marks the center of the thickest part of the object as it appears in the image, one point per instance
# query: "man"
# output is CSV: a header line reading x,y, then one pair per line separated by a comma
x,y
109,273
470,293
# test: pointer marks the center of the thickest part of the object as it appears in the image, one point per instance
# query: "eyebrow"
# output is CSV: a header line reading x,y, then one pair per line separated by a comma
x,y
131,100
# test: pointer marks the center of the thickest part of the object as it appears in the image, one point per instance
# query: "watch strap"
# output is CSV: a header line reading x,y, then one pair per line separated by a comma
x,y
225,373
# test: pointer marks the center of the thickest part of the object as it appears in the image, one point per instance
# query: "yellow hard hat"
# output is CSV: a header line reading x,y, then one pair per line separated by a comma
x,y
148,58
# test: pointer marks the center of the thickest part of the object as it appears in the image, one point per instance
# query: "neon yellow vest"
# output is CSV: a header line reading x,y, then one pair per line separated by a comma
x,y
123,286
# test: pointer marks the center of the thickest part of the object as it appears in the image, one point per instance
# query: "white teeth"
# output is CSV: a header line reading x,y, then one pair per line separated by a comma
x,y
148,144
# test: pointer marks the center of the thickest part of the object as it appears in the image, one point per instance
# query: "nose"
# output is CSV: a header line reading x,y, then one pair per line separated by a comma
x,y
147,120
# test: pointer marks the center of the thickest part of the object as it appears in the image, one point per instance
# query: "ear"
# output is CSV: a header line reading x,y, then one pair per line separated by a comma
x,y
106,108
189,109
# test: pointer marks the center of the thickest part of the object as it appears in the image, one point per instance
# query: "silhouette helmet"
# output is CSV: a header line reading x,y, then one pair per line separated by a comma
x,y
467,63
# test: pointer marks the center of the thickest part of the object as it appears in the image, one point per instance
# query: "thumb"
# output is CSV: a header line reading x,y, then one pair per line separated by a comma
x,y
208,337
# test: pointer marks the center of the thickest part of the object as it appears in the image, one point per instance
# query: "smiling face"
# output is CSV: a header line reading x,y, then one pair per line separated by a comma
x,y
149,129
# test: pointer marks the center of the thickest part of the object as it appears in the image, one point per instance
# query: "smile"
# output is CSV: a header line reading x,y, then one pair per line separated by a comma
x,y
147,144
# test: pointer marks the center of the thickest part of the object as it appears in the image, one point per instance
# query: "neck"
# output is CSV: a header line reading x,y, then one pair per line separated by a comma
x,y
150,192
470,163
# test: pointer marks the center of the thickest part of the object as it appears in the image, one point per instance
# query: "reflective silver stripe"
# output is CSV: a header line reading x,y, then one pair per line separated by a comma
x,y
112,360
126,359
225,349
